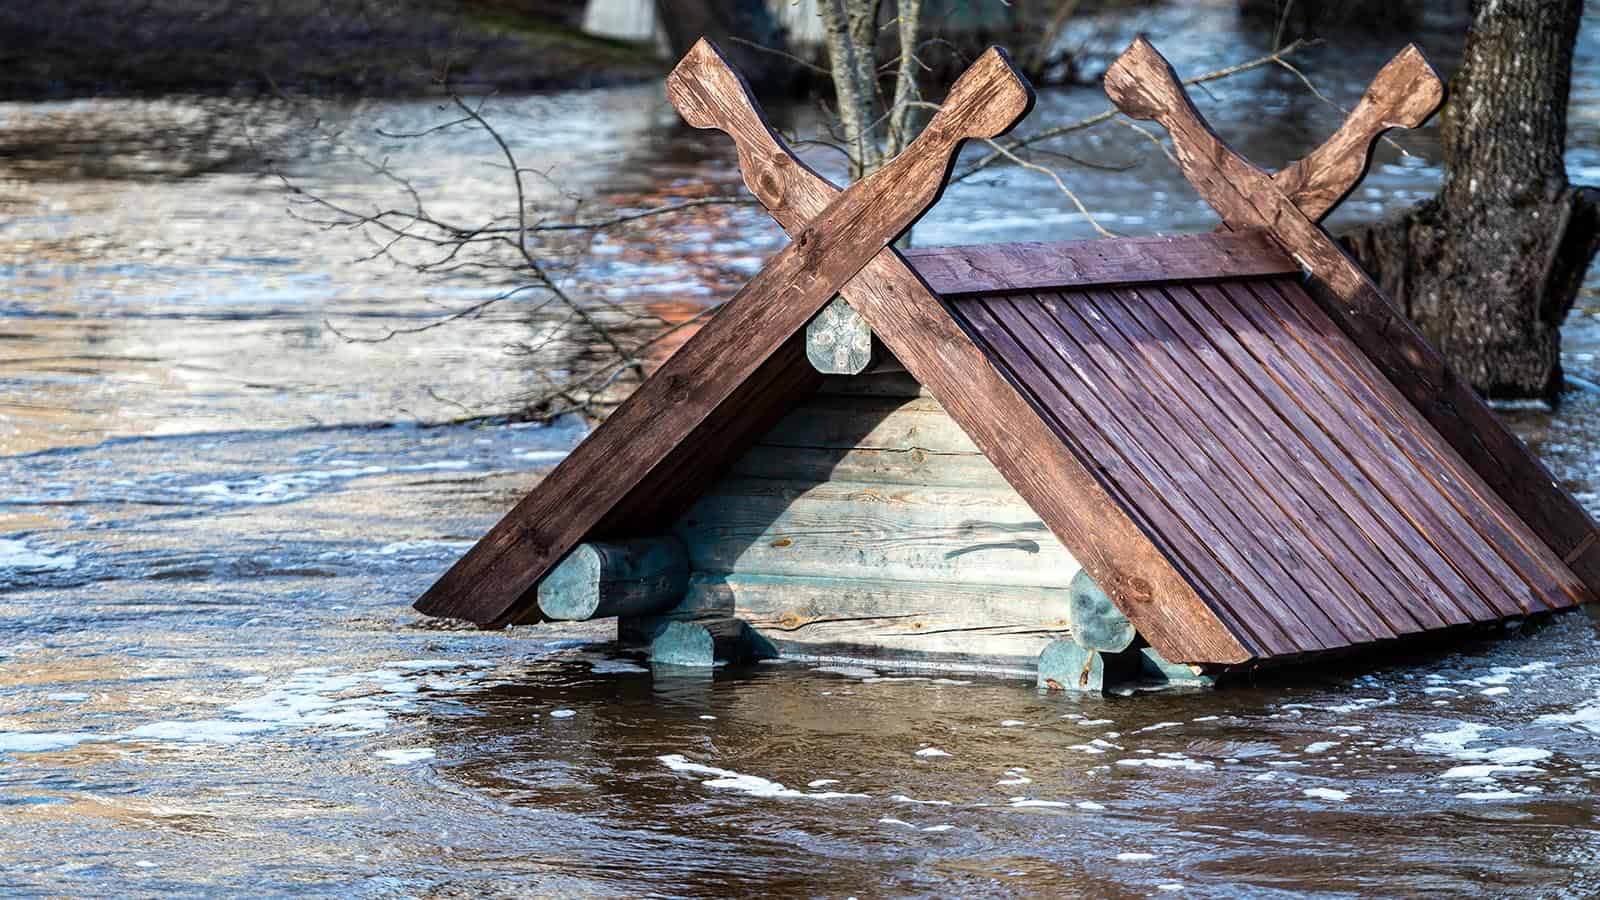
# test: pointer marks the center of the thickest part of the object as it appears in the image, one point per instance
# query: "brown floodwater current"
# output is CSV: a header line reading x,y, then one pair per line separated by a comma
x,y
215,511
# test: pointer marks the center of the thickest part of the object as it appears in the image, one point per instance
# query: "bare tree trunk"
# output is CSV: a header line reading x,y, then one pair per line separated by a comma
x,y
1489,268
850,28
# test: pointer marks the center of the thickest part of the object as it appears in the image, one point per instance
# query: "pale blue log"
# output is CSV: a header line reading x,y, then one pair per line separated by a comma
x,y
702,642
1068,666
1156,668
620,578
1097,624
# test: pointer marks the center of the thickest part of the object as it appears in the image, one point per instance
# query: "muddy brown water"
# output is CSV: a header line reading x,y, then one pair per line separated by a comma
x,y
215,512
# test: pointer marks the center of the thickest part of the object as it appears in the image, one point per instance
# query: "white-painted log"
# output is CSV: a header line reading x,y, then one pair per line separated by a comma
x,y
839,341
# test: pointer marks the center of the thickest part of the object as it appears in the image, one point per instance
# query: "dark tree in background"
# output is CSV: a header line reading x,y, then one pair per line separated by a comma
x,y
1489,268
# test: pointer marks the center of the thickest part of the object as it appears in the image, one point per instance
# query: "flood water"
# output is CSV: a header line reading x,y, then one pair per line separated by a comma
x,y
215,512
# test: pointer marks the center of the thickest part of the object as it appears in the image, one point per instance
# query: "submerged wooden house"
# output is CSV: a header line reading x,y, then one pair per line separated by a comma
x,y
1176,456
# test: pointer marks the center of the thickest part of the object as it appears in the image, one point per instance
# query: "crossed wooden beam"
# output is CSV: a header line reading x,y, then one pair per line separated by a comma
x,y
840,244
834,237
1289,205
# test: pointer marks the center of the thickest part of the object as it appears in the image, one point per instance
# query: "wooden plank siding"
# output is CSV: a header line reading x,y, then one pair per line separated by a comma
x,y
1293,484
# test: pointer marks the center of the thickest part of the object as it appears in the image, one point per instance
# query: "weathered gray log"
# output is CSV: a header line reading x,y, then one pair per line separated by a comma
x,y
885,468
702,642
876,423
623,578
839,341
887,379
1067,666
990,627
898,532
1097,624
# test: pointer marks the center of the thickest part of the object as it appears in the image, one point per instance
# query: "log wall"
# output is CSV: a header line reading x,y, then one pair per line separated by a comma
x,y
866,525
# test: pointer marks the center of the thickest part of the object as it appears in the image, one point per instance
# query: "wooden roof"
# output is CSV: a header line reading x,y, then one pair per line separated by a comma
x,y
1239,438
1302,496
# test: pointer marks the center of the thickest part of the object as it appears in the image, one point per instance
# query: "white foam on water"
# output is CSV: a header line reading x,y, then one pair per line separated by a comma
x,y
822,782
1094,722
422,547
901,822
427,665
1585,717
1170,886
1501,794
1495,691
1028,803
938,828
43,741
277,487
902,798
847,671
541,455
930,752
199,731
344,704
1506,674
954,682
1159,726
708,718
1011,723
753,785
406,756
562,713
1135,857
1090,805
17,556
1186,764
1336,796
1488,770
1321,746
615,667
1454,741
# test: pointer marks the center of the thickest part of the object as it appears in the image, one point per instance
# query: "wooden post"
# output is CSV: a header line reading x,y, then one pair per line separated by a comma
x,y
1097,624
625,578
1154,666
1066,666
702,642
839,341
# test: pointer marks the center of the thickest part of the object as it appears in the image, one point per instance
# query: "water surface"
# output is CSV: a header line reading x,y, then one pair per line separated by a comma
x,y
216,511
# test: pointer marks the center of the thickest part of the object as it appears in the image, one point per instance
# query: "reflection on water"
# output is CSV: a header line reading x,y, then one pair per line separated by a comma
x,y
215,514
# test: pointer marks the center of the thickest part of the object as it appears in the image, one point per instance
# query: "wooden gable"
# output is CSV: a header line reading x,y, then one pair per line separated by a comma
x,y
1255,466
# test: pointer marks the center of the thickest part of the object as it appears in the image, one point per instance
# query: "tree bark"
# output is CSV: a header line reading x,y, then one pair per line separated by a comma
x,y
1489,268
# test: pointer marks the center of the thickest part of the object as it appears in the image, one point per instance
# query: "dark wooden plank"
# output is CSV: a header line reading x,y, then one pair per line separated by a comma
x,y
1230,362
1108,538
1281,463
1257,486
486,585
1144,86
1026,267
1143,431
1209,562
1501,527
1324,400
